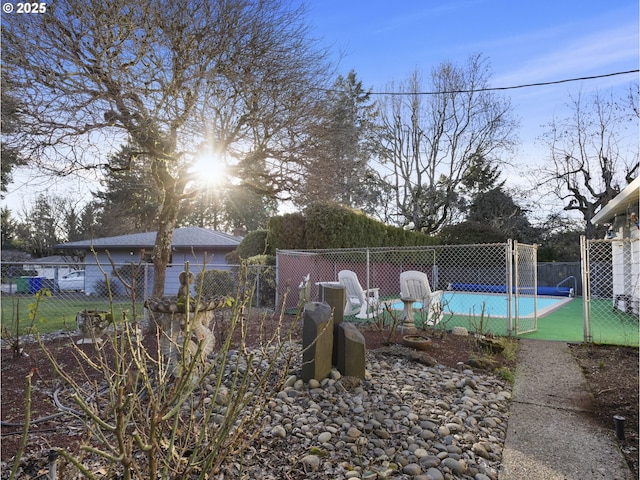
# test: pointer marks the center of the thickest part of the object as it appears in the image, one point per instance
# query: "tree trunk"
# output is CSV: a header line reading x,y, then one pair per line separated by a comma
x,y
164,240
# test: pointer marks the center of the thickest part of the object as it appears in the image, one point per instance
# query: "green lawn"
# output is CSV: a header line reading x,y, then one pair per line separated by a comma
x,y
57,313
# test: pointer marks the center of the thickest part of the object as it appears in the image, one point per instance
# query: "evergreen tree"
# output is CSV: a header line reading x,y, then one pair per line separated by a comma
x,y
130,199
338,169
41,228
205,210
244,209
496,209
7,229
10,155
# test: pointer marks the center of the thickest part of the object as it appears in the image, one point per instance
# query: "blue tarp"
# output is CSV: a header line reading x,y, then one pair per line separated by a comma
x,y
477,287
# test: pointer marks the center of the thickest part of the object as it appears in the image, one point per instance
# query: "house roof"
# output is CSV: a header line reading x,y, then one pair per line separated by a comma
x,y
54,259
188,237
625,202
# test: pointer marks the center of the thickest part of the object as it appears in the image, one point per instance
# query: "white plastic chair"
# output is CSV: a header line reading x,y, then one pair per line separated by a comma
x,y
364,303
415,285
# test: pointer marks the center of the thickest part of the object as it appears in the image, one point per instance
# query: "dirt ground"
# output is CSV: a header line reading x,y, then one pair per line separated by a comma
x,y
612,374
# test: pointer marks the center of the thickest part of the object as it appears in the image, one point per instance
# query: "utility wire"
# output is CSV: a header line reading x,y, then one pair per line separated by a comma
x,y
491,89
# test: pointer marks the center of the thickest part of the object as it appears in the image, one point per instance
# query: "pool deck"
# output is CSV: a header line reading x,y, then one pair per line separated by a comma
x,y
544,311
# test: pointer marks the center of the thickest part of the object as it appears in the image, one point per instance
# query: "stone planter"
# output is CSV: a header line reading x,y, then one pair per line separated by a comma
x,y
418,342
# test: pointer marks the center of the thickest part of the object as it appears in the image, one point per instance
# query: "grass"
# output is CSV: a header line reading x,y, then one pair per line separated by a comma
x,y
506,374
58,312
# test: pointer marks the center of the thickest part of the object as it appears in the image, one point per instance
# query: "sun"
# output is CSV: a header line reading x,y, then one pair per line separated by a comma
x,y
209,169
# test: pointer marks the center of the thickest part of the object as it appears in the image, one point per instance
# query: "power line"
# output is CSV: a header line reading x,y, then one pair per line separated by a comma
x,y
491,89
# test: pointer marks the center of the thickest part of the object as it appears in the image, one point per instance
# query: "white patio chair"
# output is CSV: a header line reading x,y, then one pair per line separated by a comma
x,y
364,304
415,285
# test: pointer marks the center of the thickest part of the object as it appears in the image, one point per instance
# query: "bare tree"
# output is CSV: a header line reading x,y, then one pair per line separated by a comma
x,y
173,78
431,140
593,153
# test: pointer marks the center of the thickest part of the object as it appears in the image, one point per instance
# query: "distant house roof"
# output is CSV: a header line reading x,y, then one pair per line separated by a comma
x,y
188,237
625,202
58,259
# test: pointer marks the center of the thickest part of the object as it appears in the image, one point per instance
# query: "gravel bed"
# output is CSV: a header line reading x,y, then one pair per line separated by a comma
x,y
404,420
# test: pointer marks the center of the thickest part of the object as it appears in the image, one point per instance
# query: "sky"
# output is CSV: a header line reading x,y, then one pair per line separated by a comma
x,y
385,39
525,42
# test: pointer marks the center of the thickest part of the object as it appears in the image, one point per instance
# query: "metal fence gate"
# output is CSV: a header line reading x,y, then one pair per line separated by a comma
x,y
525,268
611,290
482,284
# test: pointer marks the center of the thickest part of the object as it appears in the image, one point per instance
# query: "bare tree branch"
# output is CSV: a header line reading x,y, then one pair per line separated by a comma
x,y
590,157
430,145
167,77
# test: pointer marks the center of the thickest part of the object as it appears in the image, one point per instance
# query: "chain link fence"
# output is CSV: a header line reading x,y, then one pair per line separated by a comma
x,y
611,301
486,287
561,274
526,282
53,293
478,281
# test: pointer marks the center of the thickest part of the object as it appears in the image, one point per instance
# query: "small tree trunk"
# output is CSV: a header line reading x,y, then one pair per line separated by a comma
x,y
161,258
164,240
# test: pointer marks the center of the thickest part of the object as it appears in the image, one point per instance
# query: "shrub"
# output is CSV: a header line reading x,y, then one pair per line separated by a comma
x,y
333,226
146,422
122,282
232,258
216,282
254,243
286,232
261,275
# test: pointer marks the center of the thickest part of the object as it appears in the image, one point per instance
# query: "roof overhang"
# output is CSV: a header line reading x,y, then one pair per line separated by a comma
x,y
626,201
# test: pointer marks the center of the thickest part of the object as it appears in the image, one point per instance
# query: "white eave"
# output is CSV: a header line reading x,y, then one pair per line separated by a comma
x,y
625,202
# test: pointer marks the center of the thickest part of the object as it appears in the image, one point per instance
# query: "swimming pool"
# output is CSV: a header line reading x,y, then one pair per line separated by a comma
x,y
472,304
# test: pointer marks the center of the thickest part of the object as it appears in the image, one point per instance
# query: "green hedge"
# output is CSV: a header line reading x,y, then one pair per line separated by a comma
x,y
254,243
333,226
286,232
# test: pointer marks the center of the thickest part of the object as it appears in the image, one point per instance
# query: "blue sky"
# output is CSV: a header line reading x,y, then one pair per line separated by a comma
x,y
525,42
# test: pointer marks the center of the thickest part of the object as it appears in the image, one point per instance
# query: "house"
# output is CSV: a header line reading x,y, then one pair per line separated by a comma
x,y
198,246
621,217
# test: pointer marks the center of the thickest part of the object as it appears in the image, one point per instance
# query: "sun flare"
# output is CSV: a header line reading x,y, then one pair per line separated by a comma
x,y
209,168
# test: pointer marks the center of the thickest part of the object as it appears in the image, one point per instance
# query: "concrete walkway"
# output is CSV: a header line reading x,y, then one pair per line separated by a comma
x,y
549,436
